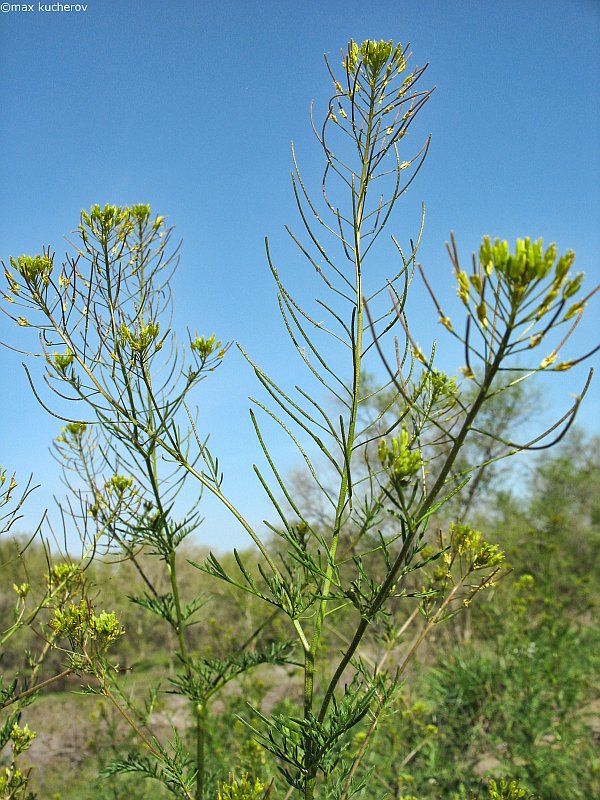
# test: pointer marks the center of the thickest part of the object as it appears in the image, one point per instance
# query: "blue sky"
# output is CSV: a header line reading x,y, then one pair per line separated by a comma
x,y
191,107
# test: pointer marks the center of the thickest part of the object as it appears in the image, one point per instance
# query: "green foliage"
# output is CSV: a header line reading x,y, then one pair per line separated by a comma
x,y
516,703
206,676
172,768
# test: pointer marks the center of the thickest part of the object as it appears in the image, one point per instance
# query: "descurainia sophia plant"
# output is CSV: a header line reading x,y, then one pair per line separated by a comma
x,y
109,309
103,338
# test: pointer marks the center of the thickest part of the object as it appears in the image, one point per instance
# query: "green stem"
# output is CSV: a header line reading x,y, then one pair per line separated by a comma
x,y
358,205
39,686
200,749
482,395
425,506
116,343
149,458
179,623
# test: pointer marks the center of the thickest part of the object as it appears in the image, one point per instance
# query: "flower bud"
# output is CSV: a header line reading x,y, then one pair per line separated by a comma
x,y
482,313
549,259
382,451
562,267
463,286
573,286
485,254
549,360
476,283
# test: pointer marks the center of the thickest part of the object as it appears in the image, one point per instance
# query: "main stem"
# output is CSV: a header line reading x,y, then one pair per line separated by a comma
x,y
358,205
200,748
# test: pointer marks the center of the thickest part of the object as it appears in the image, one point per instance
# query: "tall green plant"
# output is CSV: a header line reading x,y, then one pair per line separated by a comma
x,y
513,303
104,316
107,343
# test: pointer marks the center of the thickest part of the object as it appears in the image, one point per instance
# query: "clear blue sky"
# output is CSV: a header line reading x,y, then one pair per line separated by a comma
x,y
191,106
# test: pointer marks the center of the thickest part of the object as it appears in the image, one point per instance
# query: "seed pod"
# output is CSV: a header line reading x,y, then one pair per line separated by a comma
x,y
482,313
576,308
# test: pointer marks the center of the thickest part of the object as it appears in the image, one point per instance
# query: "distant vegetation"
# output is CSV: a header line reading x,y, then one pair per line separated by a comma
x,y
410,627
